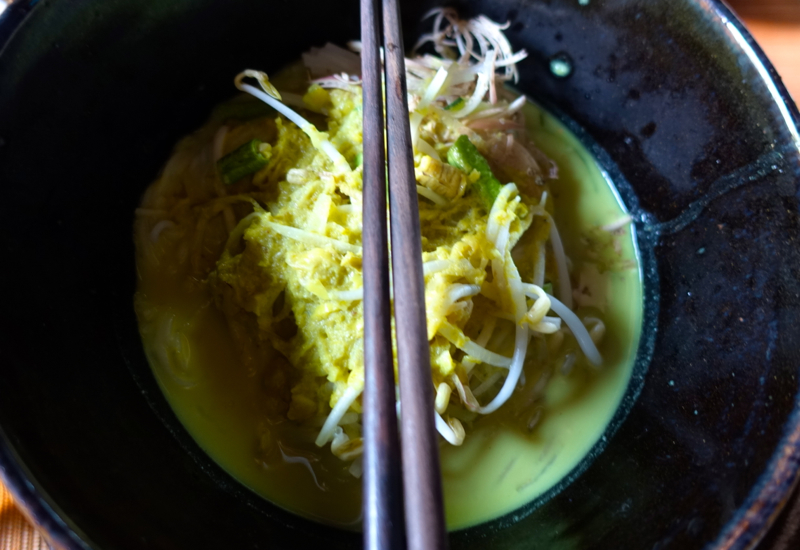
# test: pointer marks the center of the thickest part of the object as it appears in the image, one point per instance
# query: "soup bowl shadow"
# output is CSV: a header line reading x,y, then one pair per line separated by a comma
x,y
677,103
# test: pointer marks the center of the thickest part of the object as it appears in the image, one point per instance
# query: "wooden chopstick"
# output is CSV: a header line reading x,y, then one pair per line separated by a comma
x,y
421,491
424,512
383,503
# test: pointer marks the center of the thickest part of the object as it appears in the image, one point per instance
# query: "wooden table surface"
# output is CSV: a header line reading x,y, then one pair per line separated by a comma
x,y
780,40
777,30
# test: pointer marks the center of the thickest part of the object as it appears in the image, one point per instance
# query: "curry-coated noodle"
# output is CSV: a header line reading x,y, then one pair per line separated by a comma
x,y
250,290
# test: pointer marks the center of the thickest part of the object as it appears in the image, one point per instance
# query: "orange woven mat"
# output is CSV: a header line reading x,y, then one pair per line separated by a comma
x,y
15,531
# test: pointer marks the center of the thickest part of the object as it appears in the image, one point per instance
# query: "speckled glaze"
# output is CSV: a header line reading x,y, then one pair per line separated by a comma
x,y
673,97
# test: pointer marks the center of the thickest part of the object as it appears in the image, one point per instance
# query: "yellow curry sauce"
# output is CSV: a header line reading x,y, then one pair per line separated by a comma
x,y
251,388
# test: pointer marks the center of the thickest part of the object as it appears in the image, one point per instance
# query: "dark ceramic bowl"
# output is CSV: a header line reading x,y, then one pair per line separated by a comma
x,y
675,99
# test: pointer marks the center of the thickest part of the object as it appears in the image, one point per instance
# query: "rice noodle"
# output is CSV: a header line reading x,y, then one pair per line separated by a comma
x,y
414,122
483,338
320,213
345,208
486,331
465,393
502,237
456,337
578,330
356,468
238,231
503,110
345,448
514,371
541,305
434,88
271,97
433,196
547,325
339,410
564,284
488,383
354,295
427,149
442,397
158,228
169,341
596,328
498,207
458,291
452,430
338,440
309,238
538,264
300,460
481,87
510,274
299,176
434,266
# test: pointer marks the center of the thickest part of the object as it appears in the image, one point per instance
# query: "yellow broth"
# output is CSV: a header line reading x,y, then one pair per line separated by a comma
x,y
230,409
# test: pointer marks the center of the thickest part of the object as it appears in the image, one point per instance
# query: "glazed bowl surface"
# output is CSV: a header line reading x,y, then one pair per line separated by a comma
x,y
675,100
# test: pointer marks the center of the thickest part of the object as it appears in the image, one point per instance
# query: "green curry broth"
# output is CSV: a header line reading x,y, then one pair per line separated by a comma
x,y
235,411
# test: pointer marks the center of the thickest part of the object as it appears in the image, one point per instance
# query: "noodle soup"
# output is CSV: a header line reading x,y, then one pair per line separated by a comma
x,y
249,294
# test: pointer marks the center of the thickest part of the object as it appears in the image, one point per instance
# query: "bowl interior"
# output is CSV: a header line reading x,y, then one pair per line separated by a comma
x,y
93,96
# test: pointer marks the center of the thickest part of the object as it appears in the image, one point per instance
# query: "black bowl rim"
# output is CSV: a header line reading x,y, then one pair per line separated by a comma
x,y
776,484
743,532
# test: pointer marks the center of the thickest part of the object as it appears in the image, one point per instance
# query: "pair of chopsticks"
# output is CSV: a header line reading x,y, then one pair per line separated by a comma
x,y
421,491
